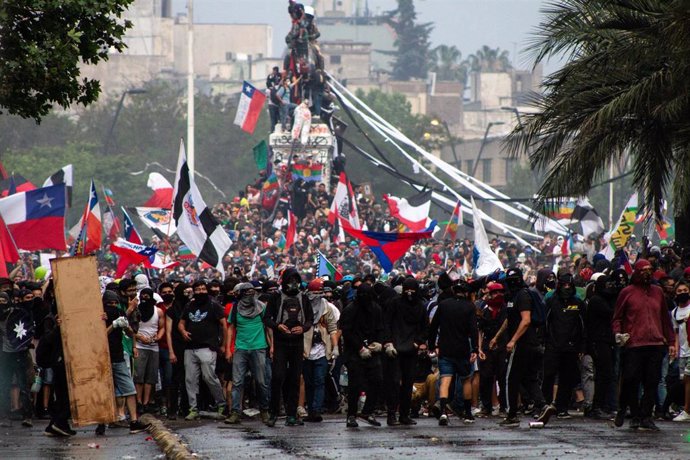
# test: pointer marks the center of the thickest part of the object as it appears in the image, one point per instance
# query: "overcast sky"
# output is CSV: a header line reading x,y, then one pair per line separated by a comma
x,y
467,24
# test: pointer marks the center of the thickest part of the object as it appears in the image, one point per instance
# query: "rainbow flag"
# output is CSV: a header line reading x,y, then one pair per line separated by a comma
x,y
558,209
271,183
307,172
454,222
184,253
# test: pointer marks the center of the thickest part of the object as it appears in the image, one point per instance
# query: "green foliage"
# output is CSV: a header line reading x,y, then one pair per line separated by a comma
x,y
489,59
624,92
412,59
448,64
42,43
148,130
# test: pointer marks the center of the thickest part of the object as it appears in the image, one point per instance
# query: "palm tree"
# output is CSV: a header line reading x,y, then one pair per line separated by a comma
x,y
489,59
624,90
448,64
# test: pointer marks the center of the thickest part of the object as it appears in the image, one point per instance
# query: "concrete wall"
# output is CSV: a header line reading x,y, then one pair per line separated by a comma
x,y
491,89
347,59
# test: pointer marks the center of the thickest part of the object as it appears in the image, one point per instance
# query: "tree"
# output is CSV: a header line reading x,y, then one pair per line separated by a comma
x,y
489,59
448,64
42,43
624,90
412,59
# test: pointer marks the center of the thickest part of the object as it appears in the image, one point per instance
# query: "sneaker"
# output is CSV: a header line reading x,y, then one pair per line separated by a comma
x,y
314,418
407,421
370,419
509,422
221,409
172,416
293,421
546,414
647,424
682,417
100,430
27,423
476,410
598,414
271,422
233,419
264,415
352,422
443,420
619,420
564,415
634,423
193,415
301,412
392,420
468,419
119,424
43,415
435,410
54,432
485,413
137,427
64,428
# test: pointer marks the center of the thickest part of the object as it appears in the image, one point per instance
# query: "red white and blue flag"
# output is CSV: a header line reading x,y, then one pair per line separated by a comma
x,y
134,253
389,247
91,232
250,106
36,219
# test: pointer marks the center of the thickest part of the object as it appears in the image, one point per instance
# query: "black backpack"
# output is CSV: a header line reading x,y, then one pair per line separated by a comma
x,y
538,309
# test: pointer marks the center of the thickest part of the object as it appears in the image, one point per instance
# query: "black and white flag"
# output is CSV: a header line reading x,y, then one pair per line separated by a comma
x,y
196,226
63,176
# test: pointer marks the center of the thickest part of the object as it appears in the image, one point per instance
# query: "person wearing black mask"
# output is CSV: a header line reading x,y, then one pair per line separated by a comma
x,y
405,326
151,330
17,332
453,333
202,323
166,292
492,361
178,402
289,315
565,342
363,330
601,343
522,347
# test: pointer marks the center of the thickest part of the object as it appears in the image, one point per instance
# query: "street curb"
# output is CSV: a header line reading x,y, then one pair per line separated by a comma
x,y
170,444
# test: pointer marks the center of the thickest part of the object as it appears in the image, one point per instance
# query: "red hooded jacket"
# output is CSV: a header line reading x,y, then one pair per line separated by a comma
x,y
641,312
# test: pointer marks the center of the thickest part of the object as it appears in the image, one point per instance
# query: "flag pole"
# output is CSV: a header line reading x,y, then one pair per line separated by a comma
x,y
190,86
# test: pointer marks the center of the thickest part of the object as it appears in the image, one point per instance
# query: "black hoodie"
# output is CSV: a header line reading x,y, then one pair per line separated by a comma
x,y
291,310
361,322
405,320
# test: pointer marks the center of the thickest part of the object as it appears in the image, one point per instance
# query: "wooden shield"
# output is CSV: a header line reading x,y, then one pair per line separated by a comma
x,y
87,357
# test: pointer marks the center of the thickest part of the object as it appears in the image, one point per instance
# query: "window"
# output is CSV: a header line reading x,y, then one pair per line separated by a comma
x,y
510,168
470,164
486,171
335,59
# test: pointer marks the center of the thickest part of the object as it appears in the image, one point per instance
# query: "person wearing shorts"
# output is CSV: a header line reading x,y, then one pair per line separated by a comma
x,y
151,330
116,326
453,333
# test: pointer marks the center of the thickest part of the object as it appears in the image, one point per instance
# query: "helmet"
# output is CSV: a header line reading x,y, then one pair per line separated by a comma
x,y
315,285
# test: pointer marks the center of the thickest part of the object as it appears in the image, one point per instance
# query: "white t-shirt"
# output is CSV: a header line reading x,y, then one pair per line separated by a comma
x,y
680,317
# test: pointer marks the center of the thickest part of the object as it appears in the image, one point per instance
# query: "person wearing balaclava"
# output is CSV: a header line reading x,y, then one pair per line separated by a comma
x,y
642,326
405,326
492,361
453,332
289,315
320,348
522,347
601,343
361,322
16,332
146,364
565,342
248,332
179,404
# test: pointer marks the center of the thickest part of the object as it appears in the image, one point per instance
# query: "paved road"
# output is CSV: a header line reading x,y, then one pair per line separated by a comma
x,y
17,442
571,439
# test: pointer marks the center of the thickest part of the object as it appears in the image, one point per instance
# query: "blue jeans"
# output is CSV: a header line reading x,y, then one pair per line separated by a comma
x,y
242,361
165,367
314,372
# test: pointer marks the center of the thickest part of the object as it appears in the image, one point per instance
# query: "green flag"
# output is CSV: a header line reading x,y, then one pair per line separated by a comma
x,y
261,155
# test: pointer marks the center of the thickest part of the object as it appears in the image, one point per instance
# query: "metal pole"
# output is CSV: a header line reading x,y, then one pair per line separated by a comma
x,y
106,148
481,148
190,86
452,144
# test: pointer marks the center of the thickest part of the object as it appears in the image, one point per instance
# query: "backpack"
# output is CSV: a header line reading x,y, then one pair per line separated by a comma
x,y
538,309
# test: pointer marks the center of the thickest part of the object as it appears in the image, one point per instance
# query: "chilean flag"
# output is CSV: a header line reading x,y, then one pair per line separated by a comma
x,y
91,233
250,106
131,236
389,247
36,219
134,253
413,212
162,192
